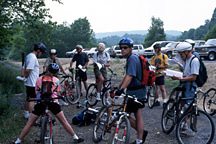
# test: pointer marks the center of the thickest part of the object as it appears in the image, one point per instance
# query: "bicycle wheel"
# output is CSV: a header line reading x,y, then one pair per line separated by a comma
x,y
91,94
168,117
209,102
151,95
121,134
99,129
46,137
71,96
195,128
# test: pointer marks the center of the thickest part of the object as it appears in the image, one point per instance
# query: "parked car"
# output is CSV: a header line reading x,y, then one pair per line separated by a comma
x,y
149,52
138,49
199,43
208,50
70,53
112,51
91,52
115,51
169,49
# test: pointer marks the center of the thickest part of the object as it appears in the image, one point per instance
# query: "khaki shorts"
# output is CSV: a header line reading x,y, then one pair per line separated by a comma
x,y
102,72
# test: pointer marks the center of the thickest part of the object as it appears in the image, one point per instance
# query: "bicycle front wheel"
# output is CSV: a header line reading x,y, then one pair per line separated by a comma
x,y
168,117
151,96
99,129
91,94
195,128
121,134
209,102
46,137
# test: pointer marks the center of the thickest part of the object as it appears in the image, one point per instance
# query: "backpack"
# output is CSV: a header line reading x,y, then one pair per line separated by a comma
x,y
148,76
84,118
46,88
203,76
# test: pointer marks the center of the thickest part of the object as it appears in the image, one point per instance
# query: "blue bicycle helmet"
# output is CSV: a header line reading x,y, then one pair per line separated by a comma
x,y
40,46
126,41
53,68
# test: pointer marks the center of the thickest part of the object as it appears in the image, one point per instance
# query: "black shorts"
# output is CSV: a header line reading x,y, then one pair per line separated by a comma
x,y
40,108
30,92
82,75
159,80
134,106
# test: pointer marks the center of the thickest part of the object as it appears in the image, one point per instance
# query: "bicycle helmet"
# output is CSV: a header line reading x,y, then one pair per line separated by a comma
x,y
53,51
184,46
101,47
126,41
157,46
53,68
40,46
190,41
79,46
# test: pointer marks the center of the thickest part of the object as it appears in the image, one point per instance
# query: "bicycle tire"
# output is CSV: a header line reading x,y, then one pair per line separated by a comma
x,y
151,96
46,137
208,105
168,117
201,127
99,129
71,96
123,135
91,95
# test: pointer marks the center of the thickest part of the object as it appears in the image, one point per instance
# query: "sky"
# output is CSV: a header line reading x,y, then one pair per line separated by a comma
x,y
128,15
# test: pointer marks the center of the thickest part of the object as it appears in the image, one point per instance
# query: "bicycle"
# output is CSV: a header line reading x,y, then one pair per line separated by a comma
x,y
113,121
92,92
71,88
46,120
151,95
209,102
197,121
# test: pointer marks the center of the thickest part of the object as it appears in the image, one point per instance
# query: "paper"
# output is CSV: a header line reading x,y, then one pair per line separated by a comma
x,y
80,67
173,62
153,68
21,78
99,65
171,73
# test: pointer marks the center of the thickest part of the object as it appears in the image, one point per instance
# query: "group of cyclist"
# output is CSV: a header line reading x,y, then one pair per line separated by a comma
x,y
131,83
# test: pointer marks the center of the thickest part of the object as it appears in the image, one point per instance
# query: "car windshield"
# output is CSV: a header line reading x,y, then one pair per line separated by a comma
x,y
171,45
163,44
117,48
211,42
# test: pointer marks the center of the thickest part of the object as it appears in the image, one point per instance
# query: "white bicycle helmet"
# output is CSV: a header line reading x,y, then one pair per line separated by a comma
x,y
53,51
184,46
190,41
79,46
101,47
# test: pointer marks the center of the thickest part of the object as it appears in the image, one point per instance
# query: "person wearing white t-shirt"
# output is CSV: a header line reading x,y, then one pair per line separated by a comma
x,y
30,71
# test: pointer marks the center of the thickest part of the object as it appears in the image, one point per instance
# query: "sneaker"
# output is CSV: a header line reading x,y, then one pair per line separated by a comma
x,y
157,103
187,132
78,140
145,133
26,115
98,98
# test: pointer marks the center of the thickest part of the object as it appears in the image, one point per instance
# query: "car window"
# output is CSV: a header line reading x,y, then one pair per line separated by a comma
x,y
211,42
163,44
171,45
135,48
117,48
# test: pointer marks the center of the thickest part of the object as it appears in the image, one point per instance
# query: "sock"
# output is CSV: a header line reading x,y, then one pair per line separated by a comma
x,y
164,100
158,99
138,141
98,94
75,136
18,141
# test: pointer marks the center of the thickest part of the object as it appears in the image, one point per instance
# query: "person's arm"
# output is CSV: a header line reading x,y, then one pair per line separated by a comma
x,y
190,78
27,72
126,81
107,64
71,64
85,65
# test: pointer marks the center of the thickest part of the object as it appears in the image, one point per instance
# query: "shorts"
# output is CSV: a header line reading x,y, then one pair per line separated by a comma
x,y
82,75
30,91
189,92
41,107
102,72
159,80
134,106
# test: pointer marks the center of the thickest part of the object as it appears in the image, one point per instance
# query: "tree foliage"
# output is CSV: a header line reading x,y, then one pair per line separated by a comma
x,y
211,33
155,32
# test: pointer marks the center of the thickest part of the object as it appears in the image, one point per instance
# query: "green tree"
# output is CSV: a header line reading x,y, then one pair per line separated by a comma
x,y
155,32
211,33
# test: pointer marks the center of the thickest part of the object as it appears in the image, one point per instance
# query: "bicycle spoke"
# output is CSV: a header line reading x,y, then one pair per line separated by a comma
x,y
91,95
209,103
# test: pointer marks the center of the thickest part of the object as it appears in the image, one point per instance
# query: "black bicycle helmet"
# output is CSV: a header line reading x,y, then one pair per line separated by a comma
x,y
157,46
40,46
126,41
53,68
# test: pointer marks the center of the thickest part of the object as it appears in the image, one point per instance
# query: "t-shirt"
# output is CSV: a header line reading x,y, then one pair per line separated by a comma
x,y
31,63
56,87
49,61
101,58
159,60
193,69
134,68
81,59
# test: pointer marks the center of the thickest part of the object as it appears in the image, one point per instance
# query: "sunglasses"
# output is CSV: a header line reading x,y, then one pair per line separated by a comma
x,y
125,47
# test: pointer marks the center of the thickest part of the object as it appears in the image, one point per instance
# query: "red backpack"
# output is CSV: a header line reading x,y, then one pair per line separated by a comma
x,y
46,88
148,76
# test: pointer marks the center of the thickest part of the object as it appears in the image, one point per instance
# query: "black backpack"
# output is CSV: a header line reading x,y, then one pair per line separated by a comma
x,y
203,76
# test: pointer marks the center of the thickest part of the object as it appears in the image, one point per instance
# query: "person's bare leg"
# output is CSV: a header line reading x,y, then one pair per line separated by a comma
x,y
140,124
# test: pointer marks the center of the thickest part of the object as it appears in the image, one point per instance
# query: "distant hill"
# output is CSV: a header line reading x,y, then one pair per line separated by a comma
x,y
142,32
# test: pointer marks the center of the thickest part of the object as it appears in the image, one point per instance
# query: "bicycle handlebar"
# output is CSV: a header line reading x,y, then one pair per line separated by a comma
x,y
46,99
